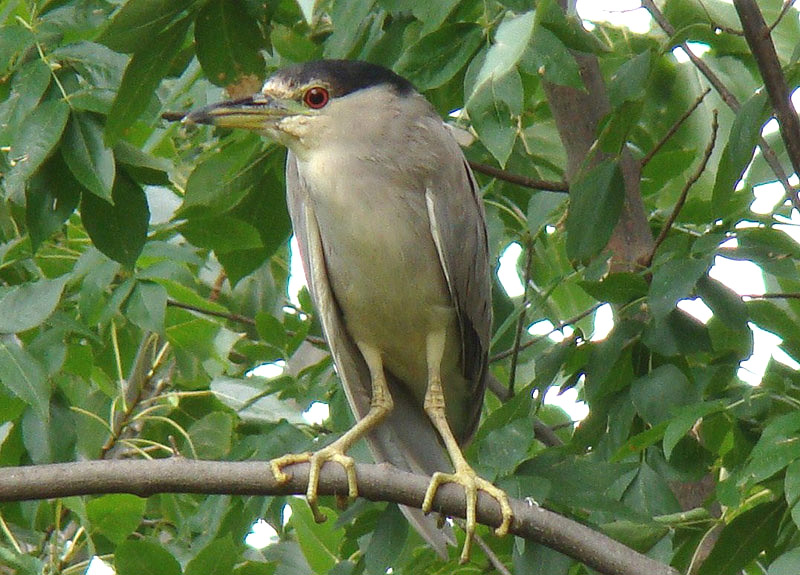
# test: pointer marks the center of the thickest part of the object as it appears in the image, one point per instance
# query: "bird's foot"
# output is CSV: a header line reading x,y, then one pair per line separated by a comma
x,y
316,461
472,483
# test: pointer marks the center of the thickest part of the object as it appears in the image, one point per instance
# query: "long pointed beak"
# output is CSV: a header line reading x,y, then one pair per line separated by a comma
x,y
256,112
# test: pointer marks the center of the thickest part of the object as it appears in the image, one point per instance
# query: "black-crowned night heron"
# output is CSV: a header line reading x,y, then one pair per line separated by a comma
x,y
392,235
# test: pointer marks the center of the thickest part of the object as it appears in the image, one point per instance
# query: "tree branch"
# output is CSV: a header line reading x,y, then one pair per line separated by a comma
x,y
375,482
675,127
758,38
520,180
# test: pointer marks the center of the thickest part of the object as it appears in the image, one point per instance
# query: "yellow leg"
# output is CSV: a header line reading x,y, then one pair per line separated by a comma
x,y
380,406
464,474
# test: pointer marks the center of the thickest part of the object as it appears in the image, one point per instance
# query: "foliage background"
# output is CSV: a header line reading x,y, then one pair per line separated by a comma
x,y
117,228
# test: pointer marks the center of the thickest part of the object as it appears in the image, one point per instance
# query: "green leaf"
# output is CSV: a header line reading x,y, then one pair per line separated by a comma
x,y
32,145
216,558
491,109
542,207
146,306
319,541
677,333
568,28
726,304
24,377
791,488
778,446
436,58
387,541
144,72
50,198
673,281
144,557
510,42
211,435
548,57
618,288
228,42
139,21
116,515
25,306
657,394
118,230
684,420
739,150
629,83
223,234
743,539
87,156
28,86
786,564
595,205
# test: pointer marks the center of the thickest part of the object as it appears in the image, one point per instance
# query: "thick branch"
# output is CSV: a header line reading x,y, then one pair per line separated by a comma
x,y
375,482
758,38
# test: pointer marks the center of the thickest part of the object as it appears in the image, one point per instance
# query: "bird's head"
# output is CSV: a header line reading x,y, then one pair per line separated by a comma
x,y
306,105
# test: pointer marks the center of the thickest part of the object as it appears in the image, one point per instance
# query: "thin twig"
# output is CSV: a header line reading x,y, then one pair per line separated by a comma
x,y
225,315
520,180
492,556
758,38
784,10
526,278
537,339
675,127
685,191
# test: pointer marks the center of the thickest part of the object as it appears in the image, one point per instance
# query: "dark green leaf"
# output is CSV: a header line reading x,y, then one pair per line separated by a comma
x,y
434,59
146,306
216,558
115,515
568,28
87,156
28,305
791,488
685,418
658,394
630,80
51,197
743,539
726,304
32,145
491,110
222,234
149,65
619,288
673,281
778,446
27,88
143,557
24,377
548,57
227,41
677,333
739,150
541,208
387,541
119,230
139,21
595,205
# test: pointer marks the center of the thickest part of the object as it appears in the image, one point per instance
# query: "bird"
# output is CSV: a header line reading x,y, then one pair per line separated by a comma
x,y
392,234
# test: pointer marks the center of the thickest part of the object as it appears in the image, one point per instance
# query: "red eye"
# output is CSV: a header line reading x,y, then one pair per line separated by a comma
x,y
316,97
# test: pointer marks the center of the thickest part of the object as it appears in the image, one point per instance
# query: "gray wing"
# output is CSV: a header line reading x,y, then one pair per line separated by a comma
x,y
406,439
458,226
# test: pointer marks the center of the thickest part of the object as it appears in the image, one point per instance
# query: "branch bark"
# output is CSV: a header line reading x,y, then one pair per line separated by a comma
x,y
375,482
758,37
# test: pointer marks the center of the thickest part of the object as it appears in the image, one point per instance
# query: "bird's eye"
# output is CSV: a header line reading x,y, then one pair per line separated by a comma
x,y
316,97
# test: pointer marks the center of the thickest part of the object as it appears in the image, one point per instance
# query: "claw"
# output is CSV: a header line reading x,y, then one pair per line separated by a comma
x,y
316,461
472,483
